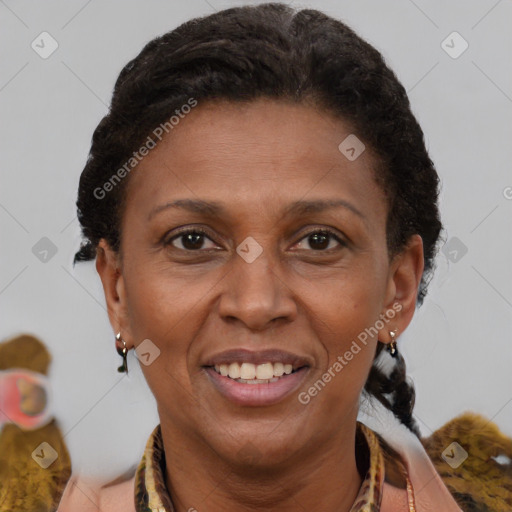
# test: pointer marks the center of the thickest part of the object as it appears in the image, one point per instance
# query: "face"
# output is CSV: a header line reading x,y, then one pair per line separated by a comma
x,y
242,277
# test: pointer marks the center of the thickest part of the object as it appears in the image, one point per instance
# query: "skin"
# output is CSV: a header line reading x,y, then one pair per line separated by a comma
x,y
297,296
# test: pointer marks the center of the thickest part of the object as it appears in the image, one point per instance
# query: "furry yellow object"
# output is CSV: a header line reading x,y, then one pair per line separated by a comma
x,y
24,484
483,481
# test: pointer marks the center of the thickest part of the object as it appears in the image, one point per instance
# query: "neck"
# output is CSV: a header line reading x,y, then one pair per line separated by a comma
x,y
322,476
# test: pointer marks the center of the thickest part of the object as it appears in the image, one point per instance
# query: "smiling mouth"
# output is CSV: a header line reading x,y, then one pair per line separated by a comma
x,y
249,373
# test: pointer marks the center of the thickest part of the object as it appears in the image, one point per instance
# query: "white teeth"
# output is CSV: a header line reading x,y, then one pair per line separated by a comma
x,y
265,371
254,374
278,369
257,381
247,371
234,371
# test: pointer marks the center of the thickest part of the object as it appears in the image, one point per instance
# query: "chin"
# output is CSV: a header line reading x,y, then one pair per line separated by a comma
x,y
264,448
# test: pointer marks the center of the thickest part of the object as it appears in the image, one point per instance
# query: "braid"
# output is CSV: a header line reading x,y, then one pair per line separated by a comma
x,y
392,388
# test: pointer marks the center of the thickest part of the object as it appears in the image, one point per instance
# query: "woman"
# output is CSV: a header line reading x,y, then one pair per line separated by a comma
x,y
263,215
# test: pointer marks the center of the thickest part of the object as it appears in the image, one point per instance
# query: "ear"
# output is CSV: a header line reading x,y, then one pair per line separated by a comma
x,y
109,269
404,278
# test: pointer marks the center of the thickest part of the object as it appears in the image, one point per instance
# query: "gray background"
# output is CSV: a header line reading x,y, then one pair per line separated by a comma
x,y
458,348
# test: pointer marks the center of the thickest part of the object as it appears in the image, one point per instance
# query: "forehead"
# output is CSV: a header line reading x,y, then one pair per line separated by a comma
x,y
260,154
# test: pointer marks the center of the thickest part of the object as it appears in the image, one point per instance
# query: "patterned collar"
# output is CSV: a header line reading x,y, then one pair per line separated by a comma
x,y
151,494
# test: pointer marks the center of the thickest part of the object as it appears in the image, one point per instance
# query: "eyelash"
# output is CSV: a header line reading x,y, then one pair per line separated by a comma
x,y
201,231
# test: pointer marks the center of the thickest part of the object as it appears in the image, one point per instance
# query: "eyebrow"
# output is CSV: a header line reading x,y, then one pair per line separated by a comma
x,y
213,208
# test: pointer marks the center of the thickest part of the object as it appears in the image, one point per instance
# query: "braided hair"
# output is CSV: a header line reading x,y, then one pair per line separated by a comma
x,y
274,51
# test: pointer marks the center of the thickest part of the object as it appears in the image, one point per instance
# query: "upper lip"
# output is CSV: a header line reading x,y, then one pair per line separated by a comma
x,y
241,355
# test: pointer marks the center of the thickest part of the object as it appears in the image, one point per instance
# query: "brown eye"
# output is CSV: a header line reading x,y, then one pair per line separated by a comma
x,y
190,240
319,240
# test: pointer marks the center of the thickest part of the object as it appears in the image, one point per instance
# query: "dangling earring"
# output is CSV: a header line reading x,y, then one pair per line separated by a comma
x,y
391,347
122,351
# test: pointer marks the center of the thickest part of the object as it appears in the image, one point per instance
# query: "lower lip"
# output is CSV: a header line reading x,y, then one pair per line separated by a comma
x,y
257,394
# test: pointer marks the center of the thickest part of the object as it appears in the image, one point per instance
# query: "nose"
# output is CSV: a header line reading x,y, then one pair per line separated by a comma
x,y
256,294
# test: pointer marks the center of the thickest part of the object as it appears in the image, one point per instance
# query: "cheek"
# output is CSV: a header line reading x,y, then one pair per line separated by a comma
x,y
161,309
347,305
160,300
349,355
347,312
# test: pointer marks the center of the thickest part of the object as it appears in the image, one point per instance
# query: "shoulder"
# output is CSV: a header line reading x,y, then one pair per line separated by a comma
x,y
474,459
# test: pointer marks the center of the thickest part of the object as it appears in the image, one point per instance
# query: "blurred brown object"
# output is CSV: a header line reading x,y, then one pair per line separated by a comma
x,y
24,351
24,484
